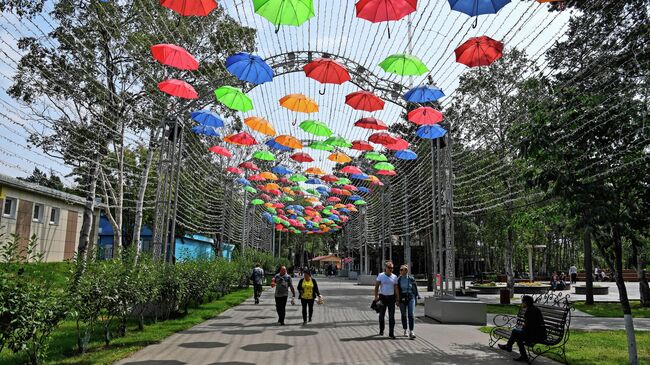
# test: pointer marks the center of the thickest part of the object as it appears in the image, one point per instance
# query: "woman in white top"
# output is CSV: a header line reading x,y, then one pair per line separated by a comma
x,y
387,291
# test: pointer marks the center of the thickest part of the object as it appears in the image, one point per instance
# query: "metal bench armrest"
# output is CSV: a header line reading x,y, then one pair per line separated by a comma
x,y
505,320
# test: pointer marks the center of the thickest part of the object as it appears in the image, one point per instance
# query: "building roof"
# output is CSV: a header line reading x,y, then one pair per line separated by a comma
x,y
42,190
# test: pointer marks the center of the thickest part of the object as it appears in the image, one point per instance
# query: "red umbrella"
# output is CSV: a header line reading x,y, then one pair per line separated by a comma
x,y
326,71
425,115
333,199
329,178
382,138
234,170
349,187
265,197
174,56
256,177
275,192
479,51
387,172
284,180
400,144
302,157
241,138
361,146
190,7
385,10
249,166
336,191
350,169
371,123
220,151
178,88
364,100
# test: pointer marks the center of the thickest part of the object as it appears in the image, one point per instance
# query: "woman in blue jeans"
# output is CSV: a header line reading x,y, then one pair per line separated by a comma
x,y
408,293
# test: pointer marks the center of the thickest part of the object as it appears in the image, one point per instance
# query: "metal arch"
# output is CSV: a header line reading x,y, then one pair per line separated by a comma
x,y
290,62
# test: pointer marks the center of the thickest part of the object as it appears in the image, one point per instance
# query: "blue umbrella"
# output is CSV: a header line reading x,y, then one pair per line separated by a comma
x,y
205,130
363,189
477,7
423,94
314,181
279,169
207,118
406,155
344,210
241,180
355,198
359,176
430,131
323,189
273,144
248,67
267,217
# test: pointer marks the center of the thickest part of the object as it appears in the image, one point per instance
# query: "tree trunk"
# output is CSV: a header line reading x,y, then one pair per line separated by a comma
x,y
139,202
644,289
89,209
588,267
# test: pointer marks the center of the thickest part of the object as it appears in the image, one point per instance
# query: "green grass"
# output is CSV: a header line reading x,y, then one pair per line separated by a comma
x,y
613,309
512,309
602,347
63,342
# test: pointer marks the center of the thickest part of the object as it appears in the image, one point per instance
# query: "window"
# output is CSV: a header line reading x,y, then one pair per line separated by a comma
x,y
9,209
54,215
38,213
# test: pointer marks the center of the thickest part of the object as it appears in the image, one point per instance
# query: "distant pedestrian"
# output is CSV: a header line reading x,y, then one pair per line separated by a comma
x,y
282,284
573,272
387,292
408,294
257,277
307,292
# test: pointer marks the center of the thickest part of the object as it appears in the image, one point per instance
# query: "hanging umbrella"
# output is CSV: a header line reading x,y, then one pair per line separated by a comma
x,y
360,202
364,100
279,169
275,145
383,166
242,181
248,67
384,10
207,118
406,155
423,94
361,146
234,170
430,131
387,172
257,202
190,7
477,7
344,180
479,51
285,12
220,151
241,138
350,187
350,169
268,218
288,141
359,176
403,65
302,157
355,198
249,166
256,177
260,125
299,103
178,88
326,71
233,98
205,130
250,189
400,144
314,181
174,56
320,145
333,199
382,138
364,189
315,127
264,155
338,142
297,178
271,186
371,123
425,115
339,157
375,156
314,171
329,178
269,176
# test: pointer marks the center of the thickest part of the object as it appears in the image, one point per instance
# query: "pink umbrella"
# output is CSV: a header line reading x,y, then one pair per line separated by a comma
x,y
178,88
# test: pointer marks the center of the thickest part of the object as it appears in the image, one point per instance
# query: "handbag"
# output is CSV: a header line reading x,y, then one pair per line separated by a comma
x,y
377,305
320,300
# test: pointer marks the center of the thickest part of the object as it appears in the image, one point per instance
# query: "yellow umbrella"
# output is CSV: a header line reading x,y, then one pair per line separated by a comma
x,y
312,199
353,209
288,141
288,190
314,171
271,186
261,125
269,176
372,178
299,103
268,205
339,157
339,205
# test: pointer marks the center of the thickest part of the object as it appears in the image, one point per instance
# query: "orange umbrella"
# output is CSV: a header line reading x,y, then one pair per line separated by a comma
x,y
314,171
288,141
287,190
299,103
261,125
346,192
312,199
269,176
271,186
339,157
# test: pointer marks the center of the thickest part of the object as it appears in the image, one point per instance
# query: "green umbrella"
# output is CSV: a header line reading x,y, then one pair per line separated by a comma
x,y
375,156
297,178
316,128
276,219
272,211
326,212
326,221
320,145
338,142
313,192
343,181
257,201
250,189
360,202
285,12
287,199
285,223
296,188
384,166
404,65
264,155
233,98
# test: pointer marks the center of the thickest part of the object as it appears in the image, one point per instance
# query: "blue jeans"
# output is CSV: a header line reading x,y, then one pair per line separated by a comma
x,y
410,308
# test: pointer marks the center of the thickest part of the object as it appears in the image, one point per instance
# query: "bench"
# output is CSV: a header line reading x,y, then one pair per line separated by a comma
x,y
556,310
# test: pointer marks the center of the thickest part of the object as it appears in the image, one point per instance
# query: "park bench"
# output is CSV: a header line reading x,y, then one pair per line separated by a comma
x,y
556,310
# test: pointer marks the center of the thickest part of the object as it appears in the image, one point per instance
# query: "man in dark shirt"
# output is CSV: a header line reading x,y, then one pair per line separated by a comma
x,y
532,331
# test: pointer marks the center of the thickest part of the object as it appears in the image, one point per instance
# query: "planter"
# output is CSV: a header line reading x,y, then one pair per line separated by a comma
x,y
353,275
532,289
369,280
457,311
598,290
470,293
486,289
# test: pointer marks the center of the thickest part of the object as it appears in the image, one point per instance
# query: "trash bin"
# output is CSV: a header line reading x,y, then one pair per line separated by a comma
x,y
504,295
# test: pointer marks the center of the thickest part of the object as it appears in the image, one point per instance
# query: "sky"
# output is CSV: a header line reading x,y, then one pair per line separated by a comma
x,y
434,32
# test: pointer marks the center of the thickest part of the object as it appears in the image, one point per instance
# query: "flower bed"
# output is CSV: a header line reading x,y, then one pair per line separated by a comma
x,y
531,288
598,290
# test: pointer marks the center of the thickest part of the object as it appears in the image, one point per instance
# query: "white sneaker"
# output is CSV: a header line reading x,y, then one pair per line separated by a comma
x,y
411,334
404,333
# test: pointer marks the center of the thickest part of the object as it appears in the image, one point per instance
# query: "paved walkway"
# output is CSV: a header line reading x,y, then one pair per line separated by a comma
x,y
344,331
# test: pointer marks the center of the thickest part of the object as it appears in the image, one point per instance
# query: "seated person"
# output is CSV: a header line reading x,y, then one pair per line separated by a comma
x,y
532,331
562,283
554,280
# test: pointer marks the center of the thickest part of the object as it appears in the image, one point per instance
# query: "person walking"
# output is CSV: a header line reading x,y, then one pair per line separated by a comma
x,y
387,291
307,292
408,293
533,329
573,272
257,277
282,284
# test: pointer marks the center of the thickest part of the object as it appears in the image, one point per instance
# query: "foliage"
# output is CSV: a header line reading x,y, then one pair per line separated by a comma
x,y
40,177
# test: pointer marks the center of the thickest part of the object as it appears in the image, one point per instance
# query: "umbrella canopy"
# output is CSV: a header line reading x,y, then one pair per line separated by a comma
x,y
314,181
361,146
333,199
425,115
371,123
242,181
350,169
285,12
190,7
360,202
250,189
406,155
479,51
220,151
257,202
275,145
344,180
249,166
301,157
241,138
403,65
264,155
375,156
248,67
329,178
364,100
423,94
320,145
339,157
234,170
400,144
359,176
205,130
314,171
477,7
269,176
364,189
174,56
382,138
282,170
233,98
297,178
260,125
315,127
178,88
299,103
430,131
288,141
326,71
384,166
256,177
338,142
387,172
384,10
207,117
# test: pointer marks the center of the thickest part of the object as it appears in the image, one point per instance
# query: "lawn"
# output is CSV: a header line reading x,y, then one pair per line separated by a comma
x,y
613,309
62,344
602,347
512,309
